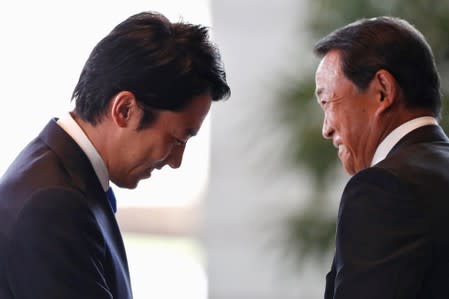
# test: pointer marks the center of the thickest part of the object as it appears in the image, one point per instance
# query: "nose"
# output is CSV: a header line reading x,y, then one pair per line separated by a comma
x,y
327,129
174,160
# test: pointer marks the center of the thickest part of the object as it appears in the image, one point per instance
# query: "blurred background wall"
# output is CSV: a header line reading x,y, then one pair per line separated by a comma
x,y
251,190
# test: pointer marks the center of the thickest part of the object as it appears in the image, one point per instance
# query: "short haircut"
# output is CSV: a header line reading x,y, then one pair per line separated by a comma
x,y
389,43
164,64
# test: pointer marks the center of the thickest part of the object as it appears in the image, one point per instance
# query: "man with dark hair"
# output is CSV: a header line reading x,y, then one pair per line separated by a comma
x,y
143,92
378,86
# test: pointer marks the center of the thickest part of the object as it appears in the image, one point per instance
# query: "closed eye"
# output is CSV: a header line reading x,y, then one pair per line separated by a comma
x,y
180,142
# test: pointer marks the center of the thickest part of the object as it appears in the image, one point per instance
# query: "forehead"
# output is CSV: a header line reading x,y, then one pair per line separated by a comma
x,y
329,67
191,117
329,78
198,108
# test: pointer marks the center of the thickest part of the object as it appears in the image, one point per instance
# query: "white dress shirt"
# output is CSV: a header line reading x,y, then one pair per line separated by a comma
x,y
69,125
393,138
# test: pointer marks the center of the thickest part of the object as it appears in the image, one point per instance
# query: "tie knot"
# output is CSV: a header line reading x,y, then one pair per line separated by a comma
x,y
111,199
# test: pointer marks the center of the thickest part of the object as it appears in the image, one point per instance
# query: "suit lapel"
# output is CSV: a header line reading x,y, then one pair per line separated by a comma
x,y
84,178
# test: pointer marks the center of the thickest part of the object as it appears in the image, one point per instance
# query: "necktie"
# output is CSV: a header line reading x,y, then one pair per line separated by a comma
x,y
111,198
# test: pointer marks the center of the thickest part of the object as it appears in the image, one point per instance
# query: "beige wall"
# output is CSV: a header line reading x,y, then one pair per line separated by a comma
x,y
250,190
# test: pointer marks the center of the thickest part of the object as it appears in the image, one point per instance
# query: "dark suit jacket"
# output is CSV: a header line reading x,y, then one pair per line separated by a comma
x,y
58,234
393,225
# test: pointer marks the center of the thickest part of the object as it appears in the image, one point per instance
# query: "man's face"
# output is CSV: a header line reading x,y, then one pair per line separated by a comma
x,y
348,114
160,144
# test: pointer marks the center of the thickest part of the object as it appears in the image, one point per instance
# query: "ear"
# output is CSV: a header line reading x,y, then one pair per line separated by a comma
x,y
386,90
123,108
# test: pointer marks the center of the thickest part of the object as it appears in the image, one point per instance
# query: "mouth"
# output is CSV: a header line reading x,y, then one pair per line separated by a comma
x,y
340,149
158,166
337,142
147,173
337,145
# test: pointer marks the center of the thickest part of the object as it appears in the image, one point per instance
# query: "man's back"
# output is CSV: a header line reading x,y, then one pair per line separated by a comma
x,y
393,224
421,161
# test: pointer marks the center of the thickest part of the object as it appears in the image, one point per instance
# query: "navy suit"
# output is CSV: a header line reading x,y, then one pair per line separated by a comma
x,y
58,234
393,225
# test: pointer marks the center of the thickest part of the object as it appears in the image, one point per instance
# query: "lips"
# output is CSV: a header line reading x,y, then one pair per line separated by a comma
x,y
336,141
337,144
147,173
340,149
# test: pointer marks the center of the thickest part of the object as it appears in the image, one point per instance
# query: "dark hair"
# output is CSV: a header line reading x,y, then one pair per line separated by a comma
x,y
163,64
389,43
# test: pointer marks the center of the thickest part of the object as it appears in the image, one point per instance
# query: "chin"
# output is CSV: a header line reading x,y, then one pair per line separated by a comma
x,y
132,185
348,168
350,171
127,184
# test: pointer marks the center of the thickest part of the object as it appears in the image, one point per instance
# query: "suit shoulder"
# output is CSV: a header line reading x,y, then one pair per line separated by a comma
x,y
419,158
378,178
56,205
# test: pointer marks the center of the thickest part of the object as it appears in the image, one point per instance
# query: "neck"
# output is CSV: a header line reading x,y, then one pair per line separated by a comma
x,y
394,119
97,135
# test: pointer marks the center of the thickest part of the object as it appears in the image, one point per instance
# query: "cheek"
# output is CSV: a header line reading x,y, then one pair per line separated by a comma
x,y
135,154
348,125
159,150
333,114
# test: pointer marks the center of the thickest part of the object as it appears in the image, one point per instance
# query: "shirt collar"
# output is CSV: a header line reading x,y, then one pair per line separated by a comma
x,y
71,127
393,138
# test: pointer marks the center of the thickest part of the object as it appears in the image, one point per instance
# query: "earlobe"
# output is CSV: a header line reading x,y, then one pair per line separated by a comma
x,y
122,108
